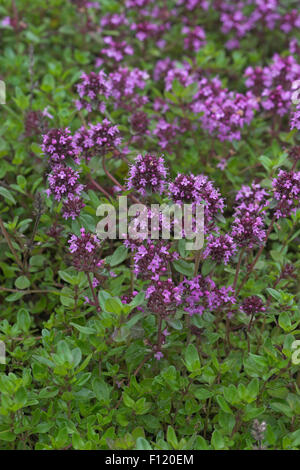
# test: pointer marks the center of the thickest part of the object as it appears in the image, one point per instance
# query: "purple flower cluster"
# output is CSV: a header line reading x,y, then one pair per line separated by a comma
x,y
146,30
137,3
85,251
220,248
225,113
201,293
163,297
124,84
194,38
295,119
115,49
193,4
58,145
252,305
92,90
273,84
295,112
236,22
286,189
248,225
139,122
151,260
167,134
294,46
263,15
254,197
112,21
162,67
182,75
72,207
63,183
98,139
196,190
34,123
147,174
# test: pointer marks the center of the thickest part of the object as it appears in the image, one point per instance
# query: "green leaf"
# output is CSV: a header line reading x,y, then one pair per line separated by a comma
x,y
7,436
101,390
172,438
223,404
86,330
202,393
191,357
22,282
119,255
142,444
217,440
23,320
183,267
113,305
7,195
48,83
284,321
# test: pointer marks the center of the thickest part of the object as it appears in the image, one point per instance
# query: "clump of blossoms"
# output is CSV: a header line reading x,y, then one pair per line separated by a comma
x,y
167,134
225,112
92,90
103,137
183,75
139,122
236,22
196,190
146,30
151,260
251,196
286,189
97,139
266,13
83,144
255,77
195,38
147,174
273,84
193,4
220,248
288,271
294,46
115,49
124,84
64,183
248,229
201,293
295,119
34,123
252,305
248,225
58,145
137,3
72,208
162,67
163,297
85,251
290,21
112,21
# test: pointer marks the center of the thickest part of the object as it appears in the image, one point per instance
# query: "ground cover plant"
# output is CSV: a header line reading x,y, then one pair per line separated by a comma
x,y
143,343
